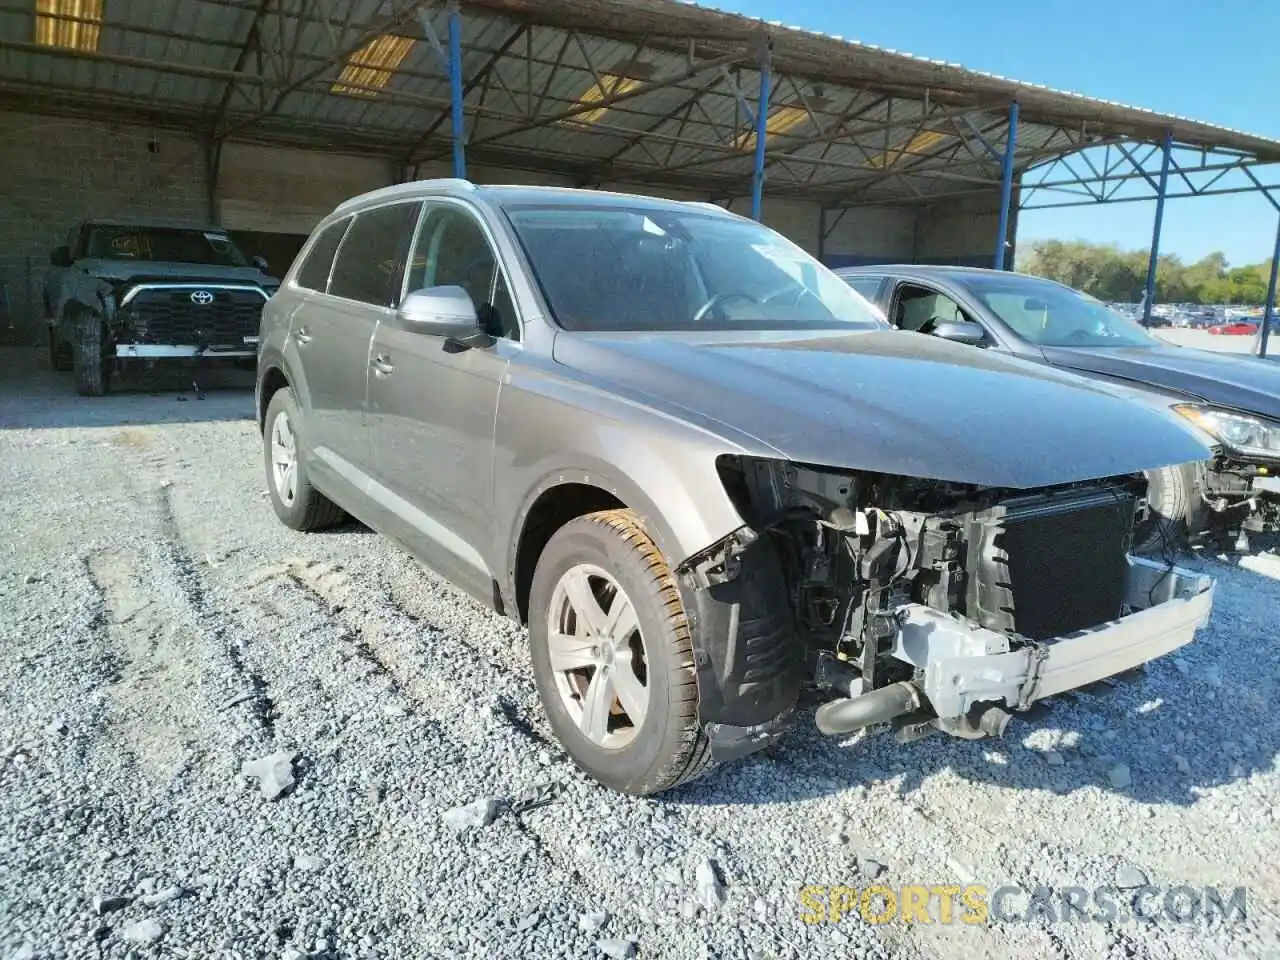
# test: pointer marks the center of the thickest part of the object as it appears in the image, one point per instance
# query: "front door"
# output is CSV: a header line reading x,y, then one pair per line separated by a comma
x,y
432,405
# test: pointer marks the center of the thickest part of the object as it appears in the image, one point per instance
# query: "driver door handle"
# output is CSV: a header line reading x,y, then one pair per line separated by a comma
x,y
381,365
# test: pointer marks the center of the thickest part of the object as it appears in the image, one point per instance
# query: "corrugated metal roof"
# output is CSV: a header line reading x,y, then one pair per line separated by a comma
x,y
877,124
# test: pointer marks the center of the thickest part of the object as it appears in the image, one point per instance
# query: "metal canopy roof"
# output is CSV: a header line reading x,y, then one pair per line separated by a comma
x,y
643,91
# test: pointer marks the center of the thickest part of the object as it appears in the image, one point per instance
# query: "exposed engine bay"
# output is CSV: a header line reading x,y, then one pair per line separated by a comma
x,y
884,578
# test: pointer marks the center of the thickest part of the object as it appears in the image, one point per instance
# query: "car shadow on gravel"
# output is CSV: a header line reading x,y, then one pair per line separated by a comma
x,y
34,396
1200,718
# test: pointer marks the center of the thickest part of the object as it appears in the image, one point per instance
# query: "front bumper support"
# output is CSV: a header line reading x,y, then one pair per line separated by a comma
x,y
961,665
153,350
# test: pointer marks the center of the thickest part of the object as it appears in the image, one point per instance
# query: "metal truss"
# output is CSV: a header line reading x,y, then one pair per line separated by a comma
x,y
1124,172
703,114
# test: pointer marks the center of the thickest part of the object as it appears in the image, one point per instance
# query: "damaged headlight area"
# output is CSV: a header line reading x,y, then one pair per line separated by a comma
x,y
938,605
1242,433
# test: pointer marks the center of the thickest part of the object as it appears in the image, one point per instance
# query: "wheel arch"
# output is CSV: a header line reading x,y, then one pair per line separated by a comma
x,y
272,379
666,508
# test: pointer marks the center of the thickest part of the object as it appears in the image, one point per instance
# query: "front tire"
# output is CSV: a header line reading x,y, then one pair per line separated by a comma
x,y
89,356
60,354
1173,494
298,504
613,656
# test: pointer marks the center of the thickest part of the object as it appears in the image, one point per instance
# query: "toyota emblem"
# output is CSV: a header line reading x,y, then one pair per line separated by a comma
x,y
202,297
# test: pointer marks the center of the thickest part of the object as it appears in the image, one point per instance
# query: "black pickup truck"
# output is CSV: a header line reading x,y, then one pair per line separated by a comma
x,y
124,292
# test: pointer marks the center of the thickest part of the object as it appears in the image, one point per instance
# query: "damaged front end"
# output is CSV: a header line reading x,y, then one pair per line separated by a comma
x,y
919,602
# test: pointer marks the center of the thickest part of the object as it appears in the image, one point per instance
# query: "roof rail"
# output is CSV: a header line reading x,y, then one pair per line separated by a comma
x,y
397,189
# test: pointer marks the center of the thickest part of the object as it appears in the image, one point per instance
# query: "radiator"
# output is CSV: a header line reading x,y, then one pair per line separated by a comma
x,y
1041,566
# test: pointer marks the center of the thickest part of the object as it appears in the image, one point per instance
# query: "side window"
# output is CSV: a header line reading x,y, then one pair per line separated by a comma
x,y
867,286
314,272
919,309
452,250
371,259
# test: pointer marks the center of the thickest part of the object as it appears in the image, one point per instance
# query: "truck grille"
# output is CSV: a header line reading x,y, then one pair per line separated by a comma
x,y
170,316
1052,564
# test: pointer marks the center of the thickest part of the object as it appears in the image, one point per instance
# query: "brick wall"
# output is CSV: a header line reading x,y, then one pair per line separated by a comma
x,y
55,172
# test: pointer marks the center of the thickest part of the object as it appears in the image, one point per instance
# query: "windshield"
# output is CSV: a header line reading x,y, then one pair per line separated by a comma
x,y
615,268
167,244
1051,315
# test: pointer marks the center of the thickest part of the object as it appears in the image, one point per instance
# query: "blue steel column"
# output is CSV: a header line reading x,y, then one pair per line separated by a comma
x,y
762,129
1006,187
1271,299
455,89
1161,190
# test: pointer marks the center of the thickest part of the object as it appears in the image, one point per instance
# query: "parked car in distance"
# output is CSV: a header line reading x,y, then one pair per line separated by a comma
x,y
1236,328
706,474
1234,399
126,291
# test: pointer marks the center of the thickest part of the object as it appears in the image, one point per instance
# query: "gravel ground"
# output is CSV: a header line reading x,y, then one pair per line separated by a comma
x,y
224,739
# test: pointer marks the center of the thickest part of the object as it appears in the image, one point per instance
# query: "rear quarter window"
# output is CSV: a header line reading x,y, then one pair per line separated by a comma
x,y
313,274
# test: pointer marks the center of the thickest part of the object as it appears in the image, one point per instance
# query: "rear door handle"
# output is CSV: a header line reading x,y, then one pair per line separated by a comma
x,y
302,335
381,365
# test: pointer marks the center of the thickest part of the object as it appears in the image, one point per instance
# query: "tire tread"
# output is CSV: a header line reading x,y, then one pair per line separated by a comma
x,y
318,511
693,758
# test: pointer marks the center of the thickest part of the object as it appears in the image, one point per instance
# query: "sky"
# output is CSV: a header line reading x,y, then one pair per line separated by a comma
x,y
1206,61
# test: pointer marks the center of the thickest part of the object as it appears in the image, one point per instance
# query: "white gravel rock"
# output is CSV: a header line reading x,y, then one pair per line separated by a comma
x,y
617,949
710,889
473,815
1120,776
274,773
593,921
143,932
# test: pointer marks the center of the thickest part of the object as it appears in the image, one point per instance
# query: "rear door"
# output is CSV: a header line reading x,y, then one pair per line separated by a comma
x,y
332,330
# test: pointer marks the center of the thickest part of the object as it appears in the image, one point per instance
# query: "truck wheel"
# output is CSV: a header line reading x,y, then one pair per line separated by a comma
x,y
89,356
59,353
297,503
1172,495
613,657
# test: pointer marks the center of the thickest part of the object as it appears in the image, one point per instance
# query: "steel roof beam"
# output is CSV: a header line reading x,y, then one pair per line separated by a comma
x,y
605,103
469,87
396,19
251,41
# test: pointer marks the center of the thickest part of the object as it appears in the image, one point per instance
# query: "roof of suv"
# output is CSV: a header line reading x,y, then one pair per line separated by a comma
x,y
520,193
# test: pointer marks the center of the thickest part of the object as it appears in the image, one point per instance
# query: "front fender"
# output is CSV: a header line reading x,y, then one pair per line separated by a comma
x,y
78,290
552,431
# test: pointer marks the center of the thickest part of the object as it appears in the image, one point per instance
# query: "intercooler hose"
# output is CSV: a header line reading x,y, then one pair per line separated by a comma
x,y
878,706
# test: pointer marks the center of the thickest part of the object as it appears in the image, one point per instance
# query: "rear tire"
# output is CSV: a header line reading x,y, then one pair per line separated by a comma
x,y
298,504
652,656
1173,494
89,356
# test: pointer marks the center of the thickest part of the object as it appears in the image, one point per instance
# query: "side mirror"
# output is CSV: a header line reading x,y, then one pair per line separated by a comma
x,y
444,312
261,263
960,331
60,256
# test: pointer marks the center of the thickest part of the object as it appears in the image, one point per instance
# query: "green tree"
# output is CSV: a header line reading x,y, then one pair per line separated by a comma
x,y
1109,273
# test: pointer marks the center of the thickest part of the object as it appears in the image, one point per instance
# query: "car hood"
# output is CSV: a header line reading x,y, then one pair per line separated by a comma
x,y
162,271
890,402
1242,382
